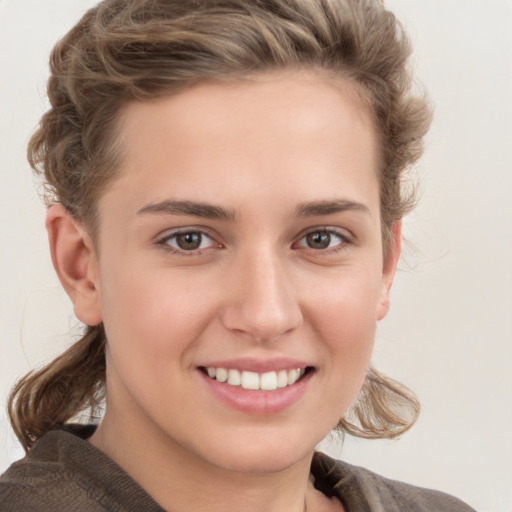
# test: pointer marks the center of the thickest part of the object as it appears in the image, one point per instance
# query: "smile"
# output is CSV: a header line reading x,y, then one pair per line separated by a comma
x,y
268,381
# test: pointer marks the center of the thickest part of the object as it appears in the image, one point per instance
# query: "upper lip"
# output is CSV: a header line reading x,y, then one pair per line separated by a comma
x,y
257,365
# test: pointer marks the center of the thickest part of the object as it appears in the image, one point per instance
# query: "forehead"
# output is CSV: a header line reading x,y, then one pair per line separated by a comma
x,y
300,127
303,99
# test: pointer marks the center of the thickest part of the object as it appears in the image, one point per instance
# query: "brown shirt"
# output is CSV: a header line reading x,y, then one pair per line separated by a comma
x,y
63,472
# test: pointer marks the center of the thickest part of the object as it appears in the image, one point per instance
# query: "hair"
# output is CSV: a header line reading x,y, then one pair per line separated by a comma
x,y
137,50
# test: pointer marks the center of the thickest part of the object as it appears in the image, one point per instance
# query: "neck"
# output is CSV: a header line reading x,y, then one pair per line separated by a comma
x,y
181,481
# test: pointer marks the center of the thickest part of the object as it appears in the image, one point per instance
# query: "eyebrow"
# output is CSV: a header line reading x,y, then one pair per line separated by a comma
x,y
192,208
317,208
209,211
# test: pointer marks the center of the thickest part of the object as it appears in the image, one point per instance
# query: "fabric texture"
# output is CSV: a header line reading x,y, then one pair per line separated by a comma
x,y
63,472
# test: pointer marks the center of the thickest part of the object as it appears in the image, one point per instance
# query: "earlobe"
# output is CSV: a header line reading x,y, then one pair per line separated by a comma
x,y
390,264
74,260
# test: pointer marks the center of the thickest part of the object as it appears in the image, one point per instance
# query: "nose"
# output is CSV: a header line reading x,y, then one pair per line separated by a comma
x,y
263,302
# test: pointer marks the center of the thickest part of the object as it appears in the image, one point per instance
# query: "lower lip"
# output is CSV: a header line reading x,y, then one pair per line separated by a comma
x,y
258,402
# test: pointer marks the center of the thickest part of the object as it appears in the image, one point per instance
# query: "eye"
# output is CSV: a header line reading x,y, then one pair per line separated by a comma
x,y
323,239
187,241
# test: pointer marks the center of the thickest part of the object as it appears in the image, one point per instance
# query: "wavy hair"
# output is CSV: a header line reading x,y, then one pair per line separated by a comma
x,y
125,50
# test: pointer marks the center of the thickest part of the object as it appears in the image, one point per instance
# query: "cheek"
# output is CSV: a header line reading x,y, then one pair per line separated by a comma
x,y
347,327
151,319
345,306
152,326
344,319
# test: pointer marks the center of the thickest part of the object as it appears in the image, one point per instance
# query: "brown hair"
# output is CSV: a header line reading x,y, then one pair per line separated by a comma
x,y
125,50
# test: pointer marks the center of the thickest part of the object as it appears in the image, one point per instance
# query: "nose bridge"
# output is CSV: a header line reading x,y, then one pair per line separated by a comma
x,y
264,303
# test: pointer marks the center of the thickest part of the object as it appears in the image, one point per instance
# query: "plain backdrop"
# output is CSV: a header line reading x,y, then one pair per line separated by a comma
x,y
449,333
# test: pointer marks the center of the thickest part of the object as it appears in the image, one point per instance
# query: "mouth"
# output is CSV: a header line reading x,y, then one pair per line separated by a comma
x,y
254,381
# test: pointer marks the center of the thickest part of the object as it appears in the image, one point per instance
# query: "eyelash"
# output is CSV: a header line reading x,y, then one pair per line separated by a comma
x,y
163,242
344,241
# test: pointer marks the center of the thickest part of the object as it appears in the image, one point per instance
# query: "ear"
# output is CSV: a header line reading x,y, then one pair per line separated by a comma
x,y
389,268
75,262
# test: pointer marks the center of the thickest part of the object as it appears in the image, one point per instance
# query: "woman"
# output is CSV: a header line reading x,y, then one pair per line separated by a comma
x,y
225,204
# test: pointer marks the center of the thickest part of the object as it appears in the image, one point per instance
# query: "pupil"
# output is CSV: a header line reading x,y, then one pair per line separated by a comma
x,y
319,240
189,241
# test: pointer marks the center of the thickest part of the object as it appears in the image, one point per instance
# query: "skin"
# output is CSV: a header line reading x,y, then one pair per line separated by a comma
x,y
262,151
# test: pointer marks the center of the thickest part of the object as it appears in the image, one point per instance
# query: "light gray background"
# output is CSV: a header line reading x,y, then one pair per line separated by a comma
x,y
449,333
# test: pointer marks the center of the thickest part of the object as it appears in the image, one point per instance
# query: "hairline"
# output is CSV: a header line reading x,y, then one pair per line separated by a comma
x,y
342,80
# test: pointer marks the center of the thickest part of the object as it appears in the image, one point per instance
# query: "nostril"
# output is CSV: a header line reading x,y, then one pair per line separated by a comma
x,y
262,323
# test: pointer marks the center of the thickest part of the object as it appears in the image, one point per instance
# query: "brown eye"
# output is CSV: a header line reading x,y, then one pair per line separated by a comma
x,y
326,240
189,241
318,239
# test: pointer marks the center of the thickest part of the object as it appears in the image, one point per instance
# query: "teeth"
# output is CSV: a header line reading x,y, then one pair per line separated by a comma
x,y
234,378
282,379
268,381
221,374
293,376
250,380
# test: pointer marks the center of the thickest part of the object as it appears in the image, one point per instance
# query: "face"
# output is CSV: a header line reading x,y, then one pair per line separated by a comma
x,y
242,242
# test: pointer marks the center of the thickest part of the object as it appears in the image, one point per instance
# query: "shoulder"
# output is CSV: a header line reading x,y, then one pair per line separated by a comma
x,y
364,490
44,480
64,472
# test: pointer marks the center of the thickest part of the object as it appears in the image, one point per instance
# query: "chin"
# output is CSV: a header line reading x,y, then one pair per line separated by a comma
x,y
253,454
261,463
